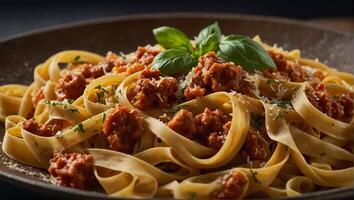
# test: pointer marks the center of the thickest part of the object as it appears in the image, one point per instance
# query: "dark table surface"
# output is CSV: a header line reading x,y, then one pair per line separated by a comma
x,y
19,16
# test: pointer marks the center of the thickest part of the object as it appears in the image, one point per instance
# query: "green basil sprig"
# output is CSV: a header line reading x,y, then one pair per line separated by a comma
x,y
244,51
174,61
180,56
208,39
172,38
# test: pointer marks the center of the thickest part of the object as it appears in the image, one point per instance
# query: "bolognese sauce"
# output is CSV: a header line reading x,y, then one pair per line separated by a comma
x,y
71,86
37,97
213,74
209,128
123,128
295,72
255,147
153,91
142,58
340,107
232,186
46,130
73,170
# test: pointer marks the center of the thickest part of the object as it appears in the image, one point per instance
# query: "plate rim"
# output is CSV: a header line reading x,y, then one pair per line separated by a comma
x,y
206,15
37,186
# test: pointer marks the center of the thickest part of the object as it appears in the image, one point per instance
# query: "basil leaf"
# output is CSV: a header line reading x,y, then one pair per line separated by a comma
x,y
172,38
208,39
244,51
174,61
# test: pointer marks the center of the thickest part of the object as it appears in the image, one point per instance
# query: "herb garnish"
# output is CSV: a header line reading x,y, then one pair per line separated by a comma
x,y
280,114
193,196
244,51
62,104
257,120
103,117
282,104
77,58
180,55
100,95
254,176
70,101
79,128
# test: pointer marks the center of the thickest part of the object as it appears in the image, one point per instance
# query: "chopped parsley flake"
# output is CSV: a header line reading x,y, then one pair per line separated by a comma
x,y
103,117
257,120
73,110
193,196
70,101
79,128
254,176
77,58
62,104
282,104
100,97
280,114
102,92
120,92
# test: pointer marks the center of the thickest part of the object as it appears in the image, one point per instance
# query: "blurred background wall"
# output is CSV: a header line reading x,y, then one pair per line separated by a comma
x,y
17,16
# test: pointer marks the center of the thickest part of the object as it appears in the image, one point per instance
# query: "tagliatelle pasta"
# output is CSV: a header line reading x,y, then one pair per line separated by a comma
x,y
218,131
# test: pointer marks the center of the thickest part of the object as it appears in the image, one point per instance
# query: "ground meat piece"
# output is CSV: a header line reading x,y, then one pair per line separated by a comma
x,y
47,130
143,57
291,70
209,128
38,97
213,75
338,107
233,185
184,123
151,90
90,71
123,128
255,147
217,139
210,122
71,86
73,170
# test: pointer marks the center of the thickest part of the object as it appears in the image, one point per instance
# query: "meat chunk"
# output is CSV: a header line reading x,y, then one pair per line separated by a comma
x,y
71,86
290,70
338,107
123,128
213,75
152,91
145,55
217,139
211,121
142,58
255,147
38,97
90,71
47,130
184,123
233,185
73,170
209,128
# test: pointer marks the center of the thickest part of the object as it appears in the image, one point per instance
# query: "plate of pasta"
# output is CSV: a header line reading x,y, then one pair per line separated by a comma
x,y
179,106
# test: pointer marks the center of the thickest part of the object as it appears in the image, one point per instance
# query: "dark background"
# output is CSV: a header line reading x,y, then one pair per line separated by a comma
x,y
18,16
